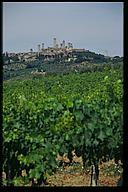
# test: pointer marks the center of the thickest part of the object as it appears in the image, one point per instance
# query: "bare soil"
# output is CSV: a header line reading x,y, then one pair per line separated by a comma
x,y
74,175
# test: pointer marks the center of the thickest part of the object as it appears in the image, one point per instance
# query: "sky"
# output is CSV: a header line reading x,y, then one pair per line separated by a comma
x,y
95,26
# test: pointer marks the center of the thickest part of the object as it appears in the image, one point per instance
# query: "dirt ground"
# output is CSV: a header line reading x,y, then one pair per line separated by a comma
x,y
73,175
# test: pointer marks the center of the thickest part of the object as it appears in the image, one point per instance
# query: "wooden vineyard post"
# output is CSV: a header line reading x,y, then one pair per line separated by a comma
x,y
94,175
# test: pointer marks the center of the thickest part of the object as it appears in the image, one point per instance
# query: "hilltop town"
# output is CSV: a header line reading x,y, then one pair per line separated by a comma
x,y
59,58
50,53
57,51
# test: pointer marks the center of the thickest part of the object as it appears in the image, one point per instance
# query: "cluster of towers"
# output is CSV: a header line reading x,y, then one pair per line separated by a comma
x,y
62,45
55,45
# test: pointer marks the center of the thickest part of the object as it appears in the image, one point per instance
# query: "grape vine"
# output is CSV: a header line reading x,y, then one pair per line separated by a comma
x,y
38,126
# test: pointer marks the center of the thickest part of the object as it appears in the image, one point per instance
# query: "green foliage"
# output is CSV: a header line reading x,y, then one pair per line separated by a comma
x,y
45,117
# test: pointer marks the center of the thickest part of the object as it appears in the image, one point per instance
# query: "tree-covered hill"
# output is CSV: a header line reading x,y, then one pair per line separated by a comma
x,y
76,61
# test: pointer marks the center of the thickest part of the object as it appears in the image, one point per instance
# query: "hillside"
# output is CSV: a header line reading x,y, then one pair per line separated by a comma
x,y
85,61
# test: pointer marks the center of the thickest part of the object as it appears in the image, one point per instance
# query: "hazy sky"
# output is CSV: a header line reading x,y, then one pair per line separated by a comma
x,y
94,26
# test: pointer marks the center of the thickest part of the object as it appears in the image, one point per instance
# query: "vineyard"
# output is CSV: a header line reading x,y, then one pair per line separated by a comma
x,y
60,115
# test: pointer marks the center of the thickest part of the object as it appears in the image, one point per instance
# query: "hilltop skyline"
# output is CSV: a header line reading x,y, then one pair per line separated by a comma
x,y
96,27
